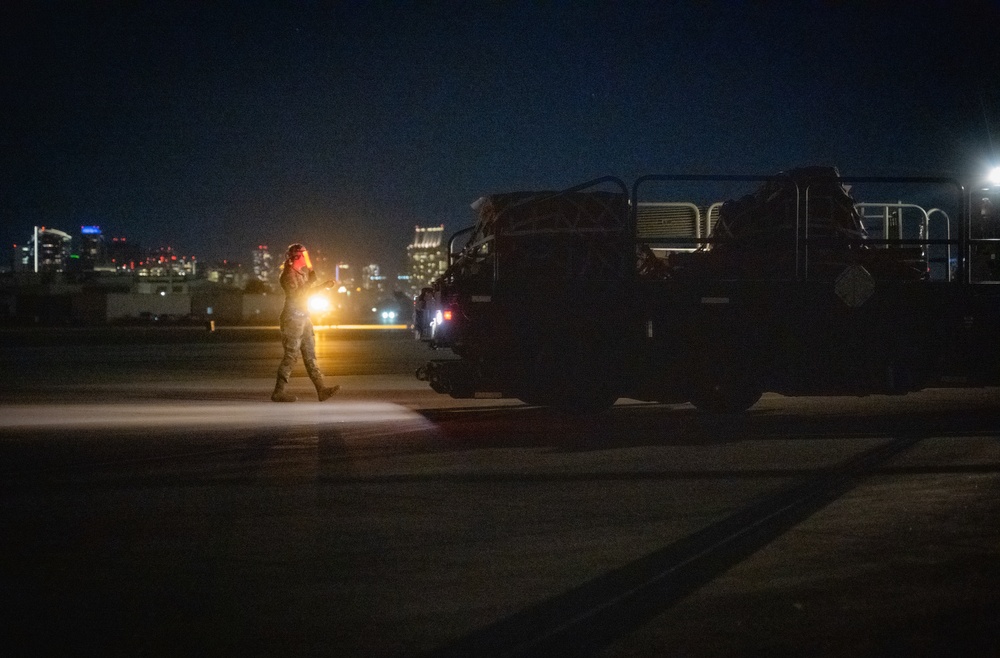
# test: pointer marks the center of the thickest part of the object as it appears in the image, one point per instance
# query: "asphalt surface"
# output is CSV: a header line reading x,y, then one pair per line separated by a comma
x,y
155,502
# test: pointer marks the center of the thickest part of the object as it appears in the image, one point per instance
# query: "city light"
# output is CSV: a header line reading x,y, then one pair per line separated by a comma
x,y
116,263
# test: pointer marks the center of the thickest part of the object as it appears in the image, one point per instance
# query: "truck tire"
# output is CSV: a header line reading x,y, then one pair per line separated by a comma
x,y
724,386
575,401
559,376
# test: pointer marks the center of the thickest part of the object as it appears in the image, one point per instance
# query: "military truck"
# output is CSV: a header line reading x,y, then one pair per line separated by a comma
x,y
715,289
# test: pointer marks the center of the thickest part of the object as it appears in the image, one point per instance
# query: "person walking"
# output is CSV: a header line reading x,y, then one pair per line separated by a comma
x,y
298,281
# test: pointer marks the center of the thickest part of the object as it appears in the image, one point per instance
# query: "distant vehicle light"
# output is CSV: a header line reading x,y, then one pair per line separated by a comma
x,y
319,304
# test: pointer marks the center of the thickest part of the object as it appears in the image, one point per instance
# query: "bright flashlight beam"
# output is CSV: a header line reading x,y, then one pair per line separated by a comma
x,y
319,303
994,177
207,416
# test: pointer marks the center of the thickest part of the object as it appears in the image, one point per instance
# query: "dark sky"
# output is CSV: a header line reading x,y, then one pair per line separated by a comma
x,y
213,127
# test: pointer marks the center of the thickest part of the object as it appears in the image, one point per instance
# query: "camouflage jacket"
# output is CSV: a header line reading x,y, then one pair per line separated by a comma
x,y
297,286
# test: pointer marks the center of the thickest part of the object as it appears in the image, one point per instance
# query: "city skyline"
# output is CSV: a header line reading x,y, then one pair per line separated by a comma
x,y
60,279
77,245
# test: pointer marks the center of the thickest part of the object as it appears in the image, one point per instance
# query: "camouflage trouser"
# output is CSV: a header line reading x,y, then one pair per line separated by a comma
x,y
297,336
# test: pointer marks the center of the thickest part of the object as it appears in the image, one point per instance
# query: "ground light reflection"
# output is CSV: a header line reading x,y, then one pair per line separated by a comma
x,y
208,416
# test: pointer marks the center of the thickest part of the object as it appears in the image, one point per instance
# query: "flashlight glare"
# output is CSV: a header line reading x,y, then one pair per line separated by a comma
x,y
319,303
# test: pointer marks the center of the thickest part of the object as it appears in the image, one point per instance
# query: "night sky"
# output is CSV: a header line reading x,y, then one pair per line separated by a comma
x,y
214,127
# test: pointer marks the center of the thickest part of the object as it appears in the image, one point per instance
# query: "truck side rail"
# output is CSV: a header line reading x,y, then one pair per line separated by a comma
x,y
479,248
452,254
576,188
798,228
706,240
924,241
982,235
683,225
891,217
663,220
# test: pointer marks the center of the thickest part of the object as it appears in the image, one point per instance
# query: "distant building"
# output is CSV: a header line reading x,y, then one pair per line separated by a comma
x,y
343,275
123,255
163,262
371,278
23,258
48,250
427,256
227,273
92,253
263,264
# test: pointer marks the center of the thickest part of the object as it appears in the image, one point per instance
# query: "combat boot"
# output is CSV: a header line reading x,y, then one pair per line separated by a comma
x,y
323,392
279,394
326,393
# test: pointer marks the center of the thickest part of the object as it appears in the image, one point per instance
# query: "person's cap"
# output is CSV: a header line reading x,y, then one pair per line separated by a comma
x,y
294,250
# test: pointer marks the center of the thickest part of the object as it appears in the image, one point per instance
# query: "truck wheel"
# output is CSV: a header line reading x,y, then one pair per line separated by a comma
x,y
589,401
560,378
575,401
590,397
724,388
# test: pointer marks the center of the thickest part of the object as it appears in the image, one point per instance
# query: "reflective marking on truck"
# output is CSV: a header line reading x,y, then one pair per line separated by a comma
x,y
482,298
714,300
854,286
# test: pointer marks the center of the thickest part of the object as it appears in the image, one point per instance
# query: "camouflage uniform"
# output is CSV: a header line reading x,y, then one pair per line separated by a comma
x,y
297,334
